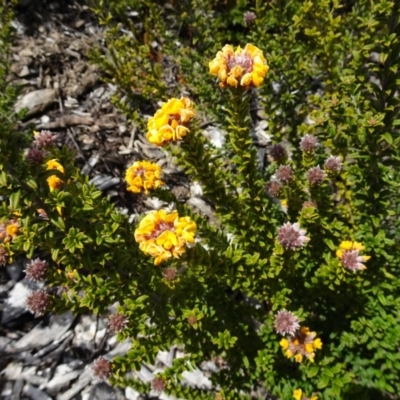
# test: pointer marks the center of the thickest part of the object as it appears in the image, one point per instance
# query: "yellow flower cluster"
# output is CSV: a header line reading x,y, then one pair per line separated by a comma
x,y
169,123
54,181
245,67
302,344
143,175
298,395
348,253
9,230
163,235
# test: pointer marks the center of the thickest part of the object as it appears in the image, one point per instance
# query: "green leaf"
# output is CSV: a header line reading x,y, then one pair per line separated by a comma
x,y
312,371
54,254
14,200
388,138
3,179
32,184
58,222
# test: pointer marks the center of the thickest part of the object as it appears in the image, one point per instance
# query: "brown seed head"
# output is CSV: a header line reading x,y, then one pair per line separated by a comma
x,y
35,156
117,322
315,176
36,270
249,17
274,188
158,384
101,368
284,174
308,143
286,323
333,165
291,236
43,139
277,152
37,302
3,256
170,273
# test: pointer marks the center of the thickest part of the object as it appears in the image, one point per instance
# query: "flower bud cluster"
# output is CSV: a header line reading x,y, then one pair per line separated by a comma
x,y
9,230
298,395
315,176
249,17
3,256
42,141
143,175
117,322
308,143
38,302
164,235
291,236
333,165
54,181
36,270
170,122
300,342
101,368
278,152
241,67
349,255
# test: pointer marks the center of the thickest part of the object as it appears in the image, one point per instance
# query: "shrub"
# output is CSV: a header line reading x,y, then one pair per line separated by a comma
x,y
296,287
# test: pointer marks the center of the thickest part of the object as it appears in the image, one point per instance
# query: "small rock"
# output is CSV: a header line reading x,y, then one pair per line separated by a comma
x,y
196,379
40,337
85,378
101,391
103,182
62,378
15,305
36,101
7,390
44,119
215,136
13,371
31,376
88,332
34,393
24,71
15,269
131,394
19,383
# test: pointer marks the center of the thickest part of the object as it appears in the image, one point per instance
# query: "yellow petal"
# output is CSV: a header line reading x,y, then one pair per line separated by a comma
x,y
298,358
257,80
222,74
231,81
236,71
246,79
297,394
167,239
309,347
214,66
346,245
180,132
227,49
317,343
54,164
251,49
358,246
284,343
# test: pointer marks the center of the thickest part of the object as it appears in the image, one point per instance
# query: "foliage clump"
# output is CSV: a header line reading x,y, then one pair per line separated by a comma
x,y
296,288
